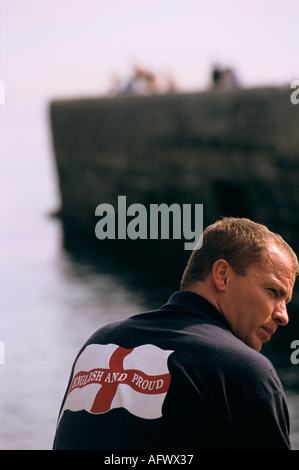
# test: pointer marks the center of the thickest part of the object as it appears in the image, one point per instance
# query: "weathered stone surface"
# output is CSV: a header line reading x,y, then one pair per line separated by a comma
x,y
236,152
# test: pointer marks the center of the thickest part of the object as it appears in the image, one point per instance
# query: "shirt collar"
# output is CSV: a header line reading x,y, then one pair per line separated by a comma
x,y
197,303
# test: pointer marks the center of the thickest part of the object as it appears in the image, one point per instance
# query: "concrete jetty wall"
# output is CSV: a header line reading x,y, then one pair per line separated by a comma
x,y
236,152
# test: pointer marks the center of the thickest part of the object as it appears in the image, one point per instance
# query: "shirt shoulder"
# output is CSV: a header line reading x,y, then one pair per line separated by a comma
x,y
247,371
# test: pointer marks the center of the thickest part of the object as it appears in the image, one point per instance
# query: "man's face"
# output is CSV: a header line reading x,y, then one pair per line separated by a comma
x,y
255,304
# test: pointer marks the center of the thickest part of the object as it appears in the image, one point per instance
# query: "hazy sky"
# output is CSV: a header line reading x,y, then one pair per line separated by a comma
x,y
53,48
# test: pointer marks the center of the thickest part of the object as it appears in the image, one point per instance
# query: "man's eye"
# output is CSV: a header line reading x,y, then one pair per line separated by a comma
x,y
273,291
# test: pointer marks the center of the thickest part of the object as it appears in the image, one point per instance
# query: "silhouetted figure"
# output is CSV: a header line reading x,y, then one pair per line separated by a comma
x,y
143,82
224,78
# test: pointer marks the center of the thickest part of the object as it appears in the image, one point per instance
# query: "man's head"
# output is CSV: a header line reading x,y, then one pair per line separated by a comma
x,y
248,273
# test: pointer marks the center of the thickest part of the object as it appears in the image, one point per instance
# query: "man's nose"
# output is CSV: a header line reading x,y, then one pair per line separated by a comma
x,y
280,314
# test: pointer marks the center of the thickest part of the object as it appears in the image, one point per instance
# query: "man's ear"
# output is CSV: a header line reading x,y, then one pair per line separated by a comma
x,y
220,272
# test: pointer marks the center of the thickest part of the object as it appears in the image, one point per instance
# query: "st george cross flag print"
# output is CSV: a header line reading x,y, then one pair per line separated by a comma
x,y
109,376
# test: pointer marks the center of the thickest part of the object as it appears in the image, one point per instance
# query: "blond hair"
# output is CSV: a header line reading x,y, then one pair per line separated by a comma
x,y
239,241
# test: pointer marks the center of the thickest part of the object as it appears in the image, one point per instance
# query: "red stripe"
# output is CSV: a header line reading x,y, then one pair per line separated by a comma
x,y
116,375
105,395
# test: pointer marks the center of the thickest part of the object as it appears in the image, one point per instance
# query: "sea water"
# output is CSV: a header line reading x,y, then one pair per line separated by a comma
x,y
52,298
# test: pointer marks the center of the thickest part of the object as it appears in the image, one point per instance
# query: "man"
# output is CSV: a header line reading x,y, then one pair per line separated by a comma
x,y
190,375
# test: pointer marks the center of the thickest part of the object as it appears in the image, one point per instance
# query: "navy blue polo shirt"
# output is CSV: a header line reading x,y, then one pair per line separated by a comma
x,y
175,378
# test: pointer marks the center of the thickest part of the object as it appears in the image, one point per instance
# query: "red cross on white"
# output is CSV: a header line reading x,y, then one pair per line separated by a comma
x,y
109,376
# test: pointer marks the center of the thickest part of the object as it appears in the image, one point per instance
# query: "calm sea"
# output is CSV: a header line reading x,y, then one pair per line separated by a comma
x,y
53,299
